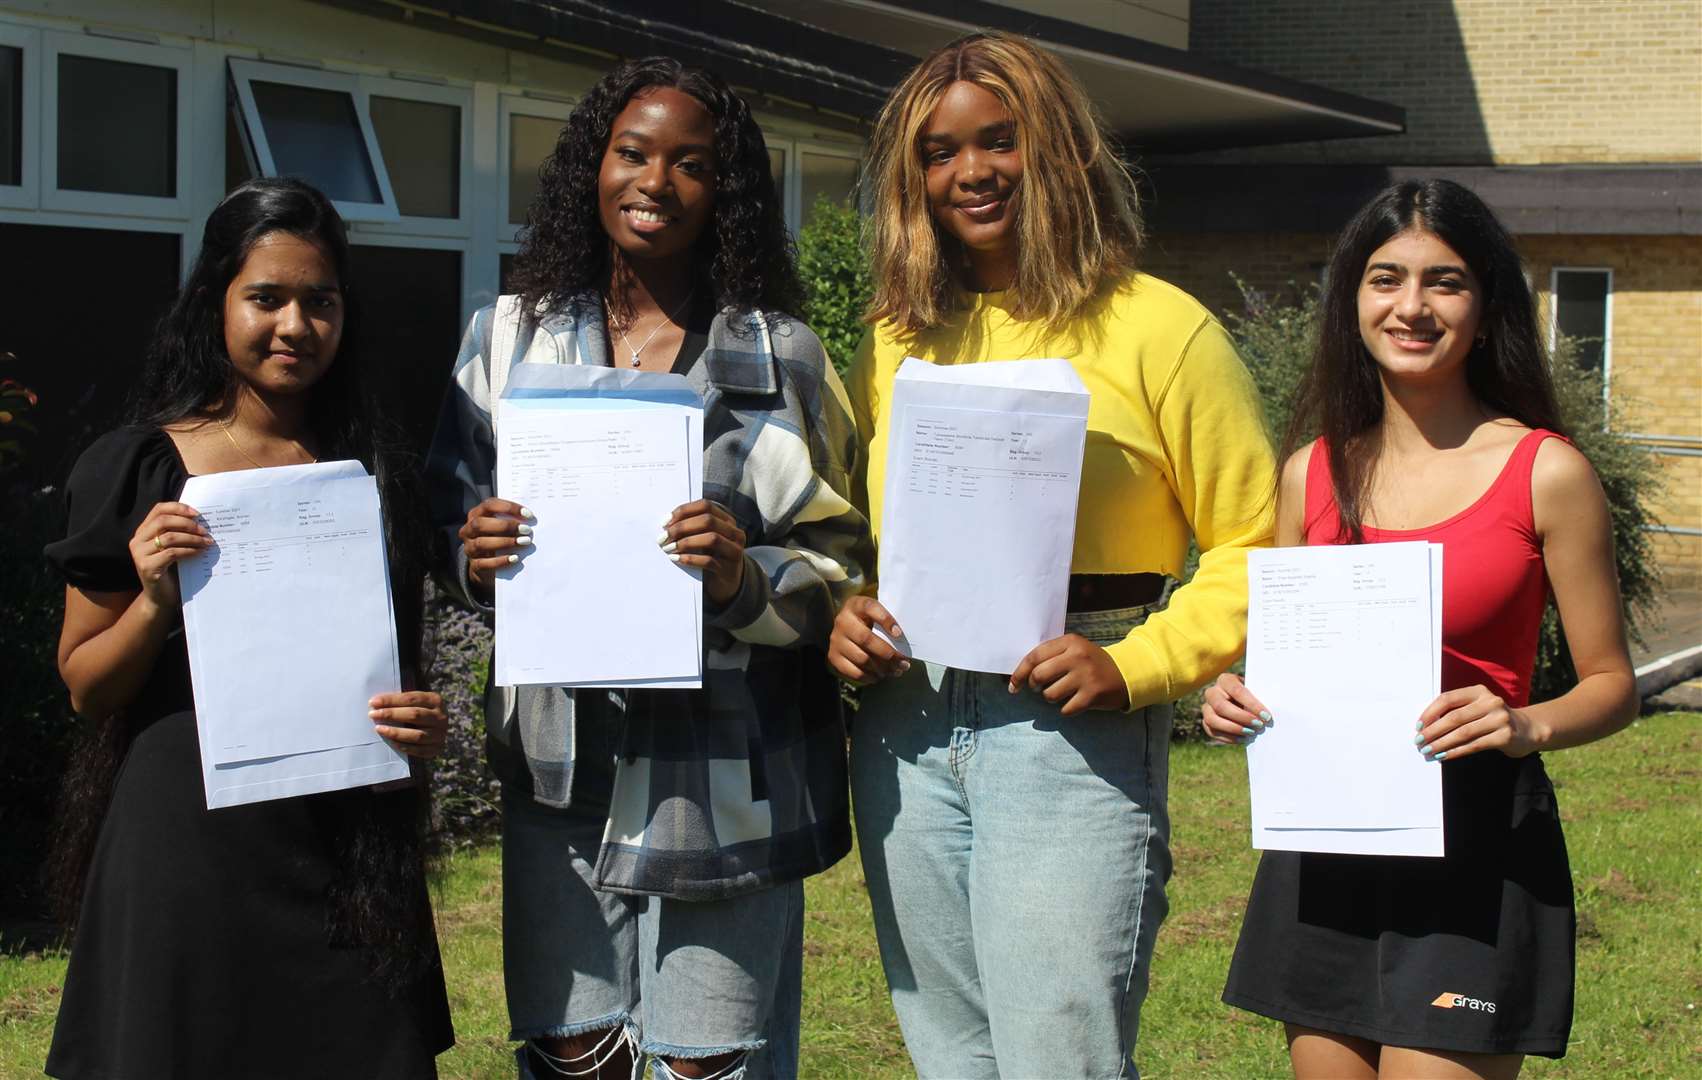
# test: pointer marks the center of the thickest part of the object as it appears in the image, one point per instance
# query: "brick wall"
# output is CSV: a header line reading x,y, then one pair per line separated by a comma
x,y
1482,81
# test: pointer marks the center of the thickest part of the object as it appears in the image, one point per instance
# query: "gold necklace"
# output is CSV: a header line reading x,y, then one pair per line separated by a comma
x,y
225,427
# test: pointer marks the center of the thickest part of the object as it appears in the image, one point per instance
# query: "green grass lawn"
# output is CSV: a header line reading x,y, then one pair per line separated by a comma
x,y
1633,809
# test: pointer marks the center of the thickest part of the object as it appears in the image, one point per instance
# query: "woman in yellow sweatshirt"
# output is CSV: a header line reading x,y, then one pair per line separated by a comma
x,y
1013,827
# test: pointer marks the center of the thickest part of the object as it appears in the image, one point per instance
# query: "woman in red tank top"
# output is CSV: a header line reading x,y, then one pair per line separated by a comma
x,y
1431,387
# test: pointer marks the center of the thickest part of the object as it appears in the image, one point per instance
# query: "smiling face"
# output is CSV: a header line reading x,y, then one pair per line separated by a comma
x,y
283,315
1419,306
973,169
656,186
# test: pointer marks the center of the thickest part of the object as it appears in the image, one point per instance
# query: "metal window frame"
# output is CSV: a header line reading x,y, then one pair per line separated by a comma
x,y
461,225
509,106
1554,273
57,43
26,194
821,149
243,73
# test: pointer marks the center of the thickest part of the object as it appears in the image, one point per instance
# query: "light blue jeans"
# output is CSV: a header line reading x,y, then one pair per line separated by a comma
x,y
668,978
1016,862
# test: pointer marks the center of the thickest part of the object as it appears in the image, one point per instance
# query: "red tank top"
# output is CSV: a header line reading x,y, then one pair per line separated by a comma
x,y
1494,585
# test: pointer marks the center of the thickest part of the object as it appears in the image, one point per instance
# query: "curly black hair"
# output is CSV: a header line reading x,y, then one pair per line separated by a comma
x,y
745,258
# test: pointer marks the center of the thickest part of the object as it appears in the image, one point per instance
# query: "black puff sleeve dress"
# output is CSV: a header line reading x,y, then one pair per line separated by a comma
x,y
203,948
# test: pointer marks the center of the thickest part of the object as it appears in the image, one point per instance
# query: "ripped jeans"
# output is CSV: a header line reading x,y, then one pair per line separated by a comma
x,y
669,978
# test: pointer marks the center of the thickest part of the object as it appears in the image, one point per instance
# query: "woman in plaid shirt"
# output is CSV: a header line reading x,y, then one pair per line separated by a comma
x,y
655,841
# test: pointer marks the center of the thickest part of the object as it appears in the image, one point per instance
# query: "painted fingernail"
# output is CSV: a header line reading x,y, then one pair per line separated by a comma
x,y
524,530
1011,687
1248,731
674,557
669,547
1420,726
522,541
1425,749
514,558
1265,715
1259,724
527,514
903,666
1442,755
1418,740
662,538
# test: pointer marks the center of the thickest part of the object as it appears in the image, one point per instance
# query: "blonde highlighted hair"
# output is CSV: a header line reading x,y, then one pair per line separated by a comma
x,y
1077,223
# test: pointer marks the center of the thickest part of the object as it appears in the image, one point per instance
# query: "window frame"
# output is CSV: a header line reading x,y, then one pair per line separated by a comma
x,y
57,43
26,193
461,225
243,72
510,105
821,149
1554,273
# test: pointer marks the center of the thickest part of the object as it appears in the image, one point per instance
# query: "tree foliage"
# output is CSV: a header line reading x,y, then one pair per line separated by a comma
x,y
836,278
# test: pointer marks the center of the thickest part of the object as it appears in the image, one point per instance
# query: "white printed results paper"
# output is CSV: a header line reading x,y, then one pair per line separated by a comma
x,y
1344,648
978,520
290,632
601,457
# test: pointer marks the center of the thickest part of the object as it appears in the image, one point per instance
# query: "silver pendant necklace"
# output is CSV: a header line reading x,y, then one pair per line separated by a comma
x,y
608,314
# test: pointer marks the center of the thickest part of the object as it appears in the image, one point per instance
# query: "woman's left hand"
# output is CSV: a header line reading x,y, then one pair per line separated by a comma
x,y
1075,671
413,721
1472,719
705,535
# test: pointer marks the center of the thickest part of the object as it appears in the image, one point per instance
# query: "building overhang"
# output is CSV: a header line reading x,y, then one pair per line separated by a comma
x,y
1566,200
844,56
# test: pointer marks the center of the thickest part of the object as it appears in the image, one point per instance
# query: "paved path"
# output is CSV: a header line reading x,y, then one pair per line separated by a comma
x,y
1676,625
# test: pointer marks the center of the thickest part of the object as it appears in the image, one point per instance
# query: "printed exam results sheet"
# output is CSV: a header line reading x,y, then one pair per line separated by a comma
x,y
1344,649
290,631
601,458
983,471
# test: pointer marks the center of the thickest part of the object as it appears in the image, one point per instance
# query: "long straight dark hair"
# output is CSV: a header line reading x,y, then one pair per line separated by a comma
x,y
1341,396
377,897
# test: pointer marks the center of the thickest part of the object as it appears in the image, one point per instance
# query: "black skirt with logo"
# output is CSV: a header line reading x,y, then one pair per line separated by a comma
x,y
1472,952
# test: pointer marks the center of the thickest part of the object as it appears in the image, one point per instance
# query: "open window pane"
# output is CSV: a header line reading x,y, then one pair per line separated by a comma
x,y
11,115
531,139
421,144
1580,312
315,134
826,175
117,127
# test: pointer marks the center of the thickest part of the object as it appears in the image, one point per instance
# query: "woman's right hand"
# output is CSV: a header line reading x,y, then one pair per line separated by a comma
x,y
1231,714
169,533
495,532
856,652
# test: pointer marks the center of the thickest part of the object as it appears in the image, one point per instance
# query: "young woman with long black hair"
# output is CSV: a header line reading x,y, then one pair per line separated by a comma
x,y
281,939
669,925
1431,387
1013,825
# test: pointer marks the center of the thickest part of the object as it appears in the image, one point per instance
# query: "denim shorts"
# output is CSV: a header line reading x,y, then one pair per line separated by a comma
x,y
1016,862
677,978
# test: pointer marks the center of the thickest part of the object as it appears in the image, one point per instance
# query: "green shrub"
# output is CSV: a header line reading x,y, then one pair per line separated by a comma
x,y
1274,336
831,262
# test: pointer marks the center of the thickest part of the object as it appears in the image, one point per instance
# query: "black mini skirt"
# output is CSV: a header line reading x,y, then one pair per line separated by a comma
x,y
1473,952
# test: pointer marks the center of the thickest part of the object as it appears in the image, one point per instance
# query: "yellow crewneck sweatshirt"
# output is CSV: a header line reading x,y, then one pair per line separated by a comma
x,y
1176,445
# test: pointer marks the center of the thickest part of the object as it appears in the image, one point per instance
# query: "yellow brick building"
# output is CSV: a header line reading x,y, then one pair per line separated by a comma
x,y
1580,121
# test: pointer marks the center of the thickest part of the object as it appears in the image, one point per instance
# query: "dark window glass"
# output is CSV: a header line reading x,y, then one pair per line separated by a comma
x,y
826,176
505,273
410,313
83,378
11,115
237,168
315,134
531,139
1580,311
421,144
117,127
